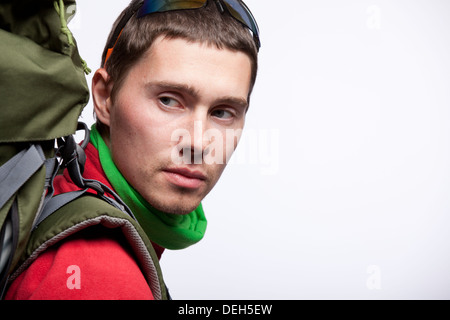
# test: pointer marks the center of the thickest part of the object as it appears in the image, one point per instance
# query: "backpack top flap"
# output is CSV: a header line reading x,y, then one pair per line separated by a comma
x,y
43,88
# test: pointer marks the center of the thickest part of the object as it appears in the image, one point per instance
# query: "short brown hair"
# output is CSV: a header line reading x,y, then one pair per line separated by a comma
x,y
206,25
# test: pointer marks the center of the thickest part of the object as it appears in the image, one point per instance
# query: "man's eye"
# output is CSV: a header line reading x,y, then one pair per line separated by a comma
x,y
169,102
222,114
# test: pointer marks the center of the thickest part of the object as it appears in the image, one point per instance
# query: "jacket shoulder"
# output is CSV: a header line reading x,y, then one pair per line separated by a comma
x,y
88,212
95,263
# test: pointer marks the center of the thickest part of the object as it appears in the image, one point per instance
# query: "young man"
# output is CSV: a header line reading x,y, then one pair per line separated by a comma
x,y
170,101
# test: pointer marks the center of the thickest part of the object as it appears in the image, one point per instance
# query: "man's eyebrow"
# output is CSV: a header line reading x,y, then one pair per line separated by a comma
x,y
234,101
173,86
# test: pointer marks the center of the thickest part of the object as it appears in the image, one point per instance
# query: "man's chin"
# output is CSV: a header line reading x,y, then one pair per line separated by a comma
x,y
178,208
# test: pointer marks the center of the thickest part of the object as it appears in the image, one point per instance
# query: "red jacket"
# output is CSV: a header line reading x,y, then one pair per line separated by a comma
x,y
93,264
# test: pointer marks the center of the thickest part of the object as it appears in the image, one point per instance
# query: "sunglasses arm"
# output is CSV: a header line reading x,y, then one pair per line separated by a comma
x,y
219,6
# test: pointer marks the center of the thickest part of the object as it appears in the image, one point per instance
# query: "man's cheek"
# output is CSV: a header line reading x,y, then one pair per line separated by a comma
x,y
221,145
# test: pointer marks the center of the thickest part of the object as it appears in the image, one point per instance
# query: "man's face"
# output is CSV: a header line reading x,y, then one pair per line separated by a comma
x,y
176,120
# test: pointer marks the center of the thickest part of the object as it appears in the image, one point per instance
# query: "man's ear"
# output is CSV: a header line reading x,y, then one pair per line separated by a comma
x,y
101,94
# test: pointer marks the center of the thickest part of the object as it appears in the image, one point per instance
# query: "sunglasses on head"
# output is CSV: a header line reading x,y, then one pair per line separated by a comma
x,y
236,8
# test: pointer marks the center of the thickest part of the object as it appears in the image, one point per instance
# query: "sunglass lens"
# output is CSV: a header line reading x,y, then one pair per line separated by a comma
x,y
151,6
240,11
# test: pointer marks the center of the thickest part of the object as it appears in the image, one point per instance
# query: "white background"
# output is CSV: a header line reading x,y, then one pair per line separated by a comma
x,y
340,187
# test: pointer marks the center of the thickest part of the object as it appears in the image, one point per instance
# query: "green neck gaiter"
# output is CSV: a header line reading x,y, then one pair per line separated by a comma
x,y
171,231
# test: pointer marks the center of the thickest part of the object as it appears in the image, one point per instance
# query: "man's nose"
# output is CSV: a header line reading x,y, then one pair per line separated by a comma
x,y
195,150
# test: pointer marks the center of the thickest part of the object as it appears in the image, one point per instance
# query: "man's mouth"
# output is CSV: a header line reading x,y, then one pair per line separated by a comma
x,y
185,178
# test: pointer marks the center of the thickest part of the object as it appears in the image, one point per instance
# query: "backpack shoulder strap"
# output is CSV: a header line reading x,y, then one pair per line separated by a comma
x,y
27,170
17,171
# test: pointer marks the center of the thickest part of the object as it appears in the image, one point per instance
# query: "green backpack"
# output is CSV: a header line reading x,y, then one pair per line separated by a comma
x,y
43,91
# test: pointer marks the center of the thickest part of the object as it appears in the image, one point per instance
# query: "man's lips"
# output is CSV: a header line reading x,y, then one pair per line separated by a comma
x,y
185,178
